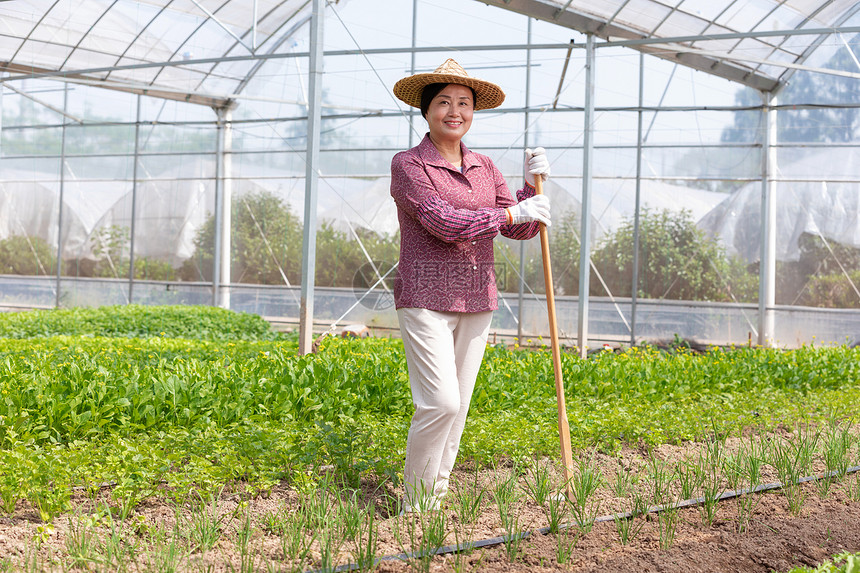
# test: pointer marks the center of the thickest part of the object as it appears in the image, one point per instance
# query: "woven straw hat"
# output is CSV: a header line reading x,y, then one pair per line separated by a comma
x,y
487,95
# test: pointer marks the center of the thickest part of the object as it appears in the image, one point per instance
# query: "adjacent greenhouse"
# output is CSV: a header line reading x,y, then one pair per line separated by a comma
x,y
705,181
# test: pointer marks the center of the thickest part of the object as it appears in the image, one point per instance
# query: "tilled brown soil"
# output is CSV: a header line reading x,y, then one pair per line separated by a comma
x,y
775,540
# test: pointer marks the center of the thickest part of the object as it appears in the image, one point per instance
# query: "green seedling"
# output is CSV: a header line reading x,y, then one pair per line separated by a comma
x,y
206,524
505,490
295,543
711,484
585,482
509,516
351,515
756,452
165,555
639,503
622,483
566,542
366,543
506,495
330,543
661,479
734,469
467,499
746,505
114,550
689,478
428,531
628,527
537,482
837,443
667,522
555,510
81,544
792,459
245,532
249,558
275,521
460,561
319,506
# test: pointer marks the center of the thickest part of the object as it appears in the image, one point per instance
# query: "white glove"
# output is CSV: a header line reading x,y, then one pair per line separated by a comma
x,y
536,162
532,209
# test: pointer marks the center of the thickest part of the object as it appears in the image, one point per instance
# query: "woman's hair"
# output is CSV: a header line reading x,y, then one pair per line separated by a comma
x,y
432,90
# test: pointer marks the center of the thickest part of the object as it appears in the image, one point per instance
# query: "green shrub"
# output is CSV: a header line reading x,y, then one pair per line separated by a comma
x,y
832,291
266,246
20,255
111,246
677,261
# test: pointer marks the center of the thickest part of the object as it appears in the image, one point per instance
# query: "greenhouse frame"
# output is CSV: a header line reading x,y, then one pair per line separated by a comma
x,y
705,181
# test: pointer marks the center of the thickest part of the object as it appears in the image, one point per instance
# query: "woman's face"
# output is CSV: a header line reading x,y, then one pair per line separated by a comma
x,y
450,113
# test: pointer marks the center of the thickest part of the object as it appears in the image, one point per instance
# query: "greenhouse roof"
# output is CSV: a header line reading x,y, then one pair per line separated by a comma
x,y
759,43
200,51
206,51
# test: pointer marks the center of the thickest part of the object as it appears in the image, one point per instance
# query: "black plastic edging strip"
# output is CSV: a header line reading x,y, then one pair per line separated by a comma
x,y
469,545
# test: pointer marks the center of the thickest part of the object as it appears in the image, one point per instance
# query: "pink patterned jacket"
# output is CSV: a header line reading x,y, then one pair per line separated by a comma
x,y
448,219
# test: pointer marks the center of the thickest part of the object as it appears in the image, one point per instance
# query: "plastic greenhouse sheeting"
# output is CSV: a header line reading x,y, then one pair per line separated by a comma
x,y
829,209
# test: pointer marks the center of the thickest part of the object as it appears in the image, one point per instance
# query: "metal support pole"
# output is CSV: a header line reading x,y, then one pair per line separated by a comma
x,y
412,67
2,89
225,183
133,204
254,31
219,215
62,196
522,282
767,266
585,233
634,293
306,317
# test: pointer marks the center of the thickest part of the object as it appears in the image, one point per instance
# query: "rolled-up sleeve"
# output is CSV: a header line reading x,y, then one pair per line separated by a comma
x,y
416,195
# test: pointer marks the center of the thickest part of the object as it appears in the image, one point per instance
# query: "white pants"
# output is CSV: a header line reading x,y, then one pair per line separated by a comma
x,y
444,351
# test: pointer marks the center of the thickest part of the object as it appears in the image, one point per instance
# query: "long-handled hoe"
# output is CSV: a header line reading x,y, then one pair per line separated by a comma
x,y
563,425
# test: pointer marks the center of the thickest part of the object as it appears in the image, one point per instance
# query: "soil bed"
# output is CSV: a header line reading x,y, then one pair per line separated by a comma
x,y
243,537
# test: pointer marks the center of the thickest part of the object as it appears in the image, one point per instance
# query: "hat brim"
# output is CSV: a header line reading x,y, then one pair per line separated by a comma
x,y
487,95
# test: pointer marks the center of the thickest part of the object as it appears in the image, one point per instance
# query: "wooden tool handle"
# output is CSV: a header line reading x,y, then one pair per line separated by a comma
x,y
563,424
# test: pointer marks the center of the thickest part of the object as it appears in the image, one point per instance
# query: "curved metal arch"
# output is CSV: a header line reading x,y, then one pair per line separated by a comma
x,y
778,47
278,43
188,37
243,81
87,33
33,29
814,45
139,34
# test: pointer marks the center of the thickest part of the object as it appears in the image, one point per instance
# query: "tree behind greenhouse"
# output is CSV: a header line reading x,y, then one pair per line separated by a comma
x,y
266,246
677,260
26,255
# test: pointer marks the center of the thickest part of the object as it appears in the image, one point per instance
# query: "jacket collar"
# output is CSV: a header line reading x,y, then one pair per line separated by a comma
x,y
430,155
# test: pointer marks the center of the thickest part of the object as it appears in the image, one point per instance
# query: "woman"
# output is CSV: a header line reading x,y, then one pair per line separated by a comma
x,y
451,202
